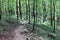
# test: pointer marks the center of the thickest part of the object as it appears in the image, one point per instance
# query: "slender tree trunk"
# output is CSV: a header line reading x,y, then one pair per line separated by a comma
x,y
29,10
17,9
34,15
26,10
8,9
20,9
51,13
0,14
0,10
44,11
36,11
54,15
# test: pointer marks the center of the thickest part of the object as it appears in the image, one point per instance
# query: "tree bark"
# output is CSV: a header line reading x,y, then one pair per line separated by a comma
x,y
17,9
20,9
26,10
44,11
34,15
36,11
8,9
51,13
54,15
29,10
0,14
0,10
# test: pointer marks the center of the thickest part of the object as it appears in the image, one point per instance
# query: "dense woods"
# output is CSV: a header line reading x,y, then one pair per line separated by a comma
x,y
42,16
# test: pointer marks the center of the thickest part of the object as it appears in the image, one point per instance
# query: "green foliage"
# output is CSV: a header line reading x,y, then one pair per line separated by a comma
x,y
9,15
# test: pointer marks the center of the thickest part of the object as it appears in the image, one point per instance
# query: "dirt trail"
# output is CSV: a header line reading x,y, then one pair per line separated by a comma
x,y
17,35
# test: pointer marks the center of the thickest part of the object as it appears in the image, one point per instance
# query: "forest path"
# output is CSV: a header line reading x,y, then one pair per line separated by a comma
x,y
17,32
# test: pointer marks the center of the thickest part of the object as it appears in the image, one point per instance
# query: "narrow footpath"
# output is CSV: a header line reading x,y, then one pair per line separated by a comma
x,y
17,33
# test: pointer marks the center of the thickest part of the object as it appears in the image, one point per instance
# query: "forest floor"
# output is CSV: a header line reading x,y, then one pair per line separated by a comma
x,y
17,33
14,34
16,29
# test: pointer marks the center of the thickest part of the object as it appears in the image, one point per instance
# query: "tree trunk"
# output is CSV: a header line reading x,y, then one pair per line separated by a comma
x,y
0,10
44,11
20,9
26,10
51,13
29,10
54,15
17,9
34,15
0,14
8,9
36,12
